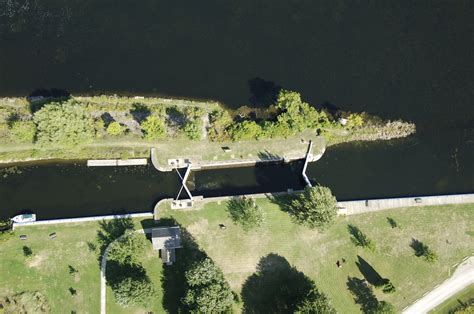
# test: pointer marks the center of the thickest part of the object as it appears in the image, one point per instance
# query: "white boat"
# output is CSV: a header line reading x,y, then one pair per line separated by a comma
x,y
24,218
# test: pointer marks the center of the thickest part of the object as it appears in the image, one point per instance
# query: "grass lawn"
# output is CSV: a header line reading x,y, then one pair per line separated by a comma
x,y
461,297
47,269
446,229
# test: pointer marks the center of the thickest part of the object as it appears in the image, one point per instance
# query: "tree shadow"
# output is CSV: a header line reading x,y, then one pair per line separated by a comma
x,y
175,118
173,280
107,118
276,287
283,200
140,112
369,273
263,93
42,96
392,222
363,294
266,155
418,247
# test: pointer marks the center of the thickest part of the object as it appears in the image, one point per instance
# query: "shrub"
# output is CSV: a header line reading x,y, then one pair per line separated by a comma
x,y
153,128
193,126
99,127
245,130
424,250
23,131
389,287
354,120
245,212
316,207
64,124
207,291
115,129
219,121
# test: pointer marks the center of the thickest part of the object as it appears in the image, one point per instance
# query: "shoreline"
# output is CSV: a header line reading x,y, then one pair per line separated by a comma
x,y
175,145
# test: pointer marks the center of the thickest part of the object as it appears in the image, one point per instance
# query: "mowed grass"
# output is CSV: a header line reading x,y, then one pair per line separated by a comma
x,y
455,301
446,229
47,269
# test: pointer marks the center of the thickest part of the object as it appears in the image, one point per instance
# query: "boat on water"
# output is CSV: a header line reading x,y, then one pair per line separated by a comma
x,y
24,218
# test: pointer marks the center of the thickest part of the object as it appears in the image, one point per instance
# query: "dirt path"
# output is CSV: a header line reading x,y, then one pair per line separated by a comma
x,y
462,278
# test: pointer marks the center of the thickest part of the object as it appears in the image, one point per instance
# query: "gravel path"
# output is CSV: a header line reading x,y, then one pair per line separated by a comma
x,y
461,279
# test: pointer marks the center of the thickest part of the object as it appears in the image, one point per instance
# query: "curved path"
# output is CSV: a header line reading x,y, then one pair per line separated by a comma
x,y
103,265
462,278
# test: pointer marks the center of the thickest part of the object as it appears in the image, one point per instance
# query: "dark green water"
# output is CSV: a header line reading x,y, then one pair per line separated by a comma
x,y
397,59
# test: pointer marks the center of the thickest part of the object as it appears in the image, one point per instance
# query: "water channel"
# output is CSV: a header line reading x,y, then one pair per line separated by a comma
x,y
396,59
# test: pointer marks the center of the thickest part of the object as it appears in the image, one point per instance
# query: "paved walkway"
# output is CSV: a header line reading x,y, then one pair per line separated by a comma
x,y
103,265
461,279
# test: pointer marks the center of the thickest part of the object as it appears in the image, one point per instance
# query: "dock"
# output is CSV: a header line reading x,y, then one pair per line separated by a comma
x,y
117,162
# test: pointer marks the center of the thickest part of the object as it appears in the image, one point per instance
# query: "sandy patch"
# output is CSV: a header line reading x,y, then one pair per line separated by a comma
x,y
37,260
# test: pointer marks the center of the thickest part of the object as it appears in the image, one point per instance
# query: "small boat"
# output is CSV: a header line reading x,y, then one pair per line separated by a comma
x,y
24,218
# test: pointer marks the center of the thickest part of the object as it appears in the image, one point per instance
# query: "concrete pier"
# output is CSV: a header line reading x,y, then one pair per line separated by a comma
x,y
364,206
117,162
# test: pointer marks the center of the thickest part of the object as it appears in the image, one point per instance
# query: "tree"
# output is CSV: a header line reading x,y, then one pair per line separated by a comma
x,y
64,124
316,207
383,307
127,249
23,131
193,126
115,129
207,291
315,303
354,120
219,120
153,128
133,290
245,130
245,212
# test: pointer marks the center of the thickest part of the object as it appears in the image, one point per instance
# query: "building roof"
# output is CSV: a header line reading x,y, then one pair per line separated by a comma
x,y
166,238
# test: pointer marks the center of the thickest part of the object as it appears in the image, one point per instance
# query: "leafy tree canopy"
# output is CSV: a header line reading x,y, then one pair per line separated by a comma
x,y
153,128
127,249
207,290
115,129
245,212
64,124
316,207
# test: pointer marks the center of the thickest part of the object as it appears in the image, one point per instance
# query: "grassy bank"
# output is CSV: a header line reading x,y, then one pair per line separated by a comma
x,y
457,300
116,127
65,270
444,228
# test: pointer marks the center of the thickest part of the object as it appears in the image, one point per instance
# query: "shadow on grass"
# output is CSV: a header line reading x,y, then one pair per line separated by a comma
x,y
369,273
173,280
283,201
363,294
276,287
266,155
392,222
418,247
140,112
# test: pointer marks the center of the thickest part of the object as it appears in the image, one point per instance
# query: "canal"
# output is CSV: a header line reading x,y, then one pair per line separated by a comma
x,y
395,59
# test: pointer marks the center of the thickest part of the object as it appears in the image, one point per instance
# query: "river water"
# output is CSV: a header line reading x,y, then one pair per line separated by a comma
x,y
397,59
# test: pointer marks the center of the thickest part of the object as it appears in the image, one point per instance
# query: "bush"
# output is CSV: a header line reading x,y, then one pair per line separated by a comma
x,y
64,124
115,129
389,287
193,126
23,131
424,250
219,120
99,127
355,120
207,291
245,130
316,207
245,212
153,128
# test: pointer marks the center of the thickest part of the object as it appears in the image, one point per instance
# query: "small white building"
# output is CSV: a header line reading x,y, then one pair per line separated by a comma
x,y
166,240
